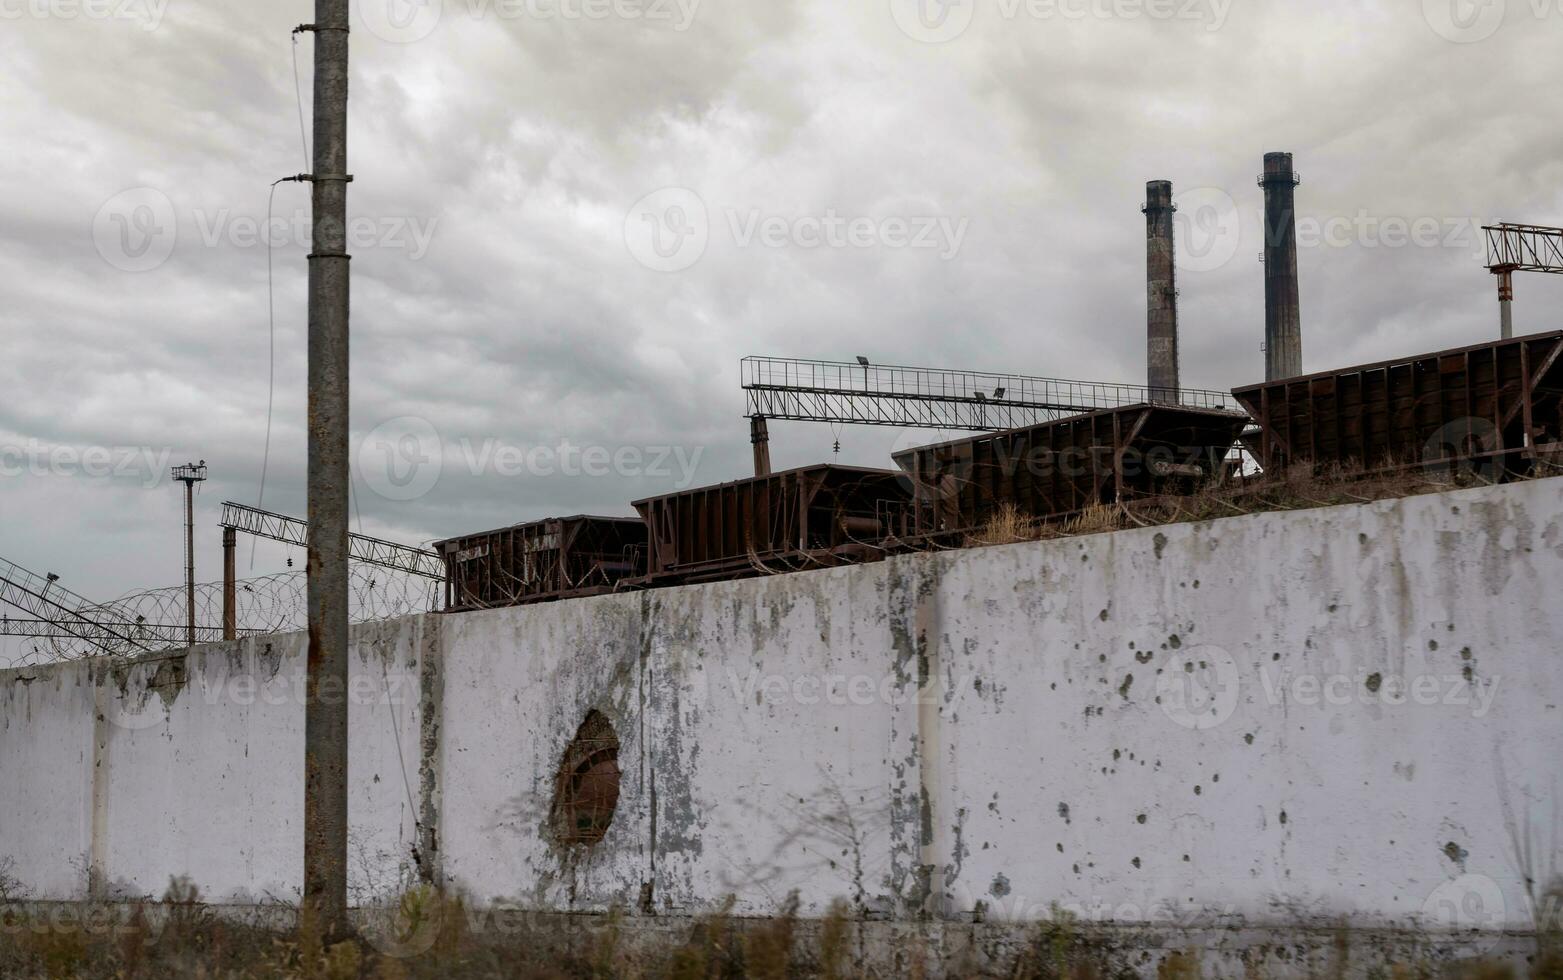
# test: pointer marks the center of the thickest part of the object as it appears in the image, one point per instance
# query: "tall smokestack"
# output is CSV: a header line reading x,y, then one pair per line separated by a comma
x,y
1283,319
1161,294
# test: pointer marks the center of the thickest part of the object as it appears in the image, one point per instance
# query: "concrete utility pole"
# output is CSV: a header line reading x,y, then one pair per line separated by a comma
x,y
190,474
325,702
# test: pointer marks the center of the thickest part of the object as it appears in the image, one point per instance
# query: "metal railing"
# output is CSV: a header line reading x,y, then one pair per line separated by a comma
x,y
1524,248
937,398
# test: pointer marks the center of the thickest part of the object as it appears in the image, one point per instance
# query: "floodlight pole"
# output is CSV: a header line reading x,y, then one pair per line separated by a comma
x,y
325,700
190,474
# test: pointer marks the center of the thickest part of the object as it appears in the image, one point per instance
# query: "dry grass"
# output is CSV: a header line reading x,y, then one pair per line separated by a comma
x,y
1007,526
1094,520
714,948
1300,488
195,944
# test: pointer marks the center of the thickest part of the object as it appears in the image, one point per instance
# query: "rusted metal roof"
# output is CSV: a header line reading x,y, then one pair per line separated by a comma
x,y
802,518
1497,402
1065,466
541,560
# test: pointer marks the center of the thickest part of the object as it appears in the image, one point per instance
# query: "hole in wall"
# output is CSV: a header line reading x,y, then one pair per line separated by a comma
x,y
586,789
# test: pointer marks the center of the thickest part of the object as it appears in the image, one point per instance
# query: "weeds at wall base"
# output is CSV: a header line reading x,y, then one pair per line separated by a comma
x,y
195,941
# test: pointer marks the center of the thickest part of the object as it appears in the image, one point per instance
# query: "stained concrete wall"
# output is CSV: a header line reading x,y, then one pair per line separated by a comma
x,y
117,778
1349,713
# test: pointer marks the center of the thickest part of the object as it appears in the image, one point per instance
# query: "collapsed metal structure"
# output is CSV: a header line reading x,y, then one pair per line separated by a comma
x,y
362,550
57,614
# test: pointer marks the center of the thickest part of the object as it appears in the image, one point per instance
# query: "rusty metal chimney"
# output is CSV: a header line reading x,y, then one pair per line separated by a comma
x,y
1161,294
1283,317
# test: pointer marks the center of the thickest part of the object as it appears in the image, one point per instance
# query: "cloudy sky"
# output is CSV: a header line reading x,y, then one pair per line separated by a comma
x,y
573,217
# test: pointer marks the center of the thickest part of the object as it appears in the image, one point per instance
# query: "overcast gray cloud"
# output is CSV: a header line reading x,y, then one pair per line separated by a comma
x,y
509,291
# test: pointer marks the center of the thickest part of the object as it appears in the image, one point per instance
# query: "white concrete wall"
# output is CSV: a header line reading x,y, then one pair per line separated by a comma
x,y
771,741
1307,794
517,685
117,779
1347,712
46,770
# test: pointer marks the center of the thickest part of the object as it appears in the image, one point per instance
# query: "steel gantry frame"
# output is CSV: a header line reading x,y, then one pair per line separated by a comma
x,y
935,398
1515,248
365,549
864,393
290,530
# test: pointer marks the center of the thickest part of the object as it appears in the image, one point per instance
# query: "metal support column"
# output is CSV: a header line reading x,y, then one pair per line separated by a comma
x,y
1505,276
760,436
230,585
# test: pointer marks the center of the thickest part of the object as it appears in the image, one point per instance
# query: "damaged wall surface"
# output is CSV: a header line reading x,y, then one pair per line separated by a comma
x,y
1270,719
